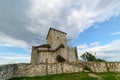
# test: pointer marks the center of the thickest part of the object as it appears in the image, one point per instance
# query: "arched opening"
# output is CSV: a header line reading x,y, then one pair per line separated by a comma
x,y
59,58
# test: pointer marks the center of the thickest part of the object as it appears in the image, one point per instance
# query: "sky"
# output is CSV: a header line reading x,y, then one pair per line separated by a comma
x,y
91,25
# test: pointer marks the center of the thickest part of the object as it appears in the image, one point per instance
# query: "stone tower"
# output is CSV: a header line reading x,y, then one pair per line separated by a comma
x,y
55,38
55,51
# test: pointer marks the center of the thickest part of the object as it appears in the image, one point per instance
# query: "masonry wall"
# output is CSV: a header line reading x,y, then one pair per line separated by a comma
x,y
34,55
55,38
104,66
50,56
63,52
72,54
24,70
57,45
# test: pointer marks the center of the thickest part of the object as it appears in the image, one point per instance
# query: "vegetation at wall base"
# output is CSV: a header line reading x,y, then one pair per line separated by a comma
x,y
87,56
75,76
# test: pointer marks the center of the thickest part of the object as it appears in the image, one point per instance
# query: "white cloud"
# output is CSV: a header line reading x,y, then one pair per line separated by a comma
x,y
115,33
27,24
73,17
110,51
9,58
9,41
94,44
84,46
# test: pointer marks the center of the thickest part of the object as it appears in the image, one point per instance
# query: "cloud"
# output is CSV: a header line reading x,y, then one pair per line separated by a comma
x,y
115,33
73,17
109,52
26,22
9,41
8,58
94,44
13,25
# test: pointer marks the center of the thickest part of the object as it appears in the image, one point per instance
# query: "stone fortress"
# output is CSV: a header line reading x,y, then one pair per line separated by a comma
x,y
55,57
55,51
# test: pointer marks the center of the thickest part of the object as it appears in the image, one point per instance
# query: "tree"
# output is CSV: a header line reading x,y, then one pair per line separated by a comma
x,y
90,57
100,60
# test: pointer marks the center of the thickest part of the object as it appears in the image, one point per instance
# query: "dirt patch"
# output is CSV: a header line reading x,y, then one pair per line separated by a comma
x,y
95,76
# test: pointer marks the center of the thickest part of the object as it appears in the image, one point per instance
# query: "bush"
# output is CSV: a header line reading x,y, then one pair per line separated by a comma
x,y
90,57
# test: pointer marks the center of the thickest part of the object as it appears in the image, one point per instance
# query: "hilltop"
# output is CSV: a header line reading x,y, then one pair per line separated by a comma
x,y
75,76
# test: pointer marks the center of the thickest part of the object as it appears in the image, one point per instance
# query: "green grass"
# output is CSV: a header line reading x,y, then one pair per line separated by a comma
x,y
73,76
110,76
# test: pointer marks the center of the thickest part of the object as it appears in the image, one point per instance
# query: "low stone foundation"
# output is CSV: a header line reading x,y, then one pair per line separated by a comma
x,y
25,70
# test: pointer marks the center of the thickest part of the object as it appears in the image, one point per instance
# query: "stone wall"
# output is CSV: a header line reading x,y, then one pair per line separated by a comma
x,y
24,70
34,55
56,45
72,54
103,66
55,38
42,56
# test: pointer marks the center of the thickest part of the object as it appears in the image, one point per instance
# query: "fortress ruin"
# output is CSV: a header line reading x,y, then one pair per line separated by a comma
x,y
58,58
56,50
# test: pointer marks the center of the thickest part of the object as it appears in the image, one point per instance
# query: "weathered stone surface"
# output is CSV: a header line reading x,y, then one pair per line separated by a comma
x,y
56,45
23,70
44,62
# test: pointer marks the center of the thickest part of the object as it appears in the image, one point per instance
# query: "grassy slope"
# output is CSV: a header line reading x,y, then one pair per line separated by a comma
x,y
74,76
110,76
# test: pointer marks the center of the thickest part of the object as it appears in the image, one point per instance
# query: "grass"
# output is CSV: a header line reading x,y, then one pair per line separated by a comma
x,y
74,76
110,76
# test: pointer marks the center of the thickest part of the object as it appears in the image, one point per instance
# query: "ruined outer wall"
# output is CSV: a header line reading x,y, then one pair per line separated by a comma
x,y
103,66
23,70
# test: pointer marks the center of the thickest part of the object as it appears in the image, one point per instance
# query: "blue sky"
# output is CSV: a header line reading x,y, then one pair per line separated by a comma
x,y
101,32
91,25
101,35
